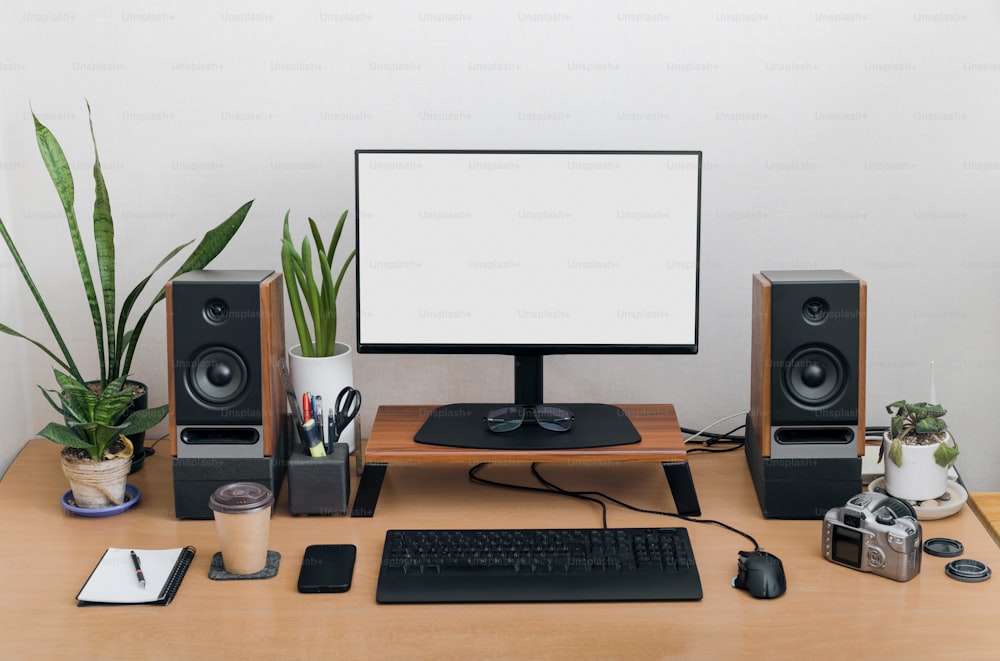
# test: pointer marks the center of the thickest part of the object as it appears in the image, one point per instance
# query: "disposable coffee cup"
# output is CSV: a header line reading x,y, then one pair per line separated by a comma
x,y
242,513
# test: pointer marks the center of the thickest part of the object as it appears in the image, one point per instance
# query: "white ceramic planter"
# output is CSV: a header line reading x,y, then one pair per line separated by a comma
x,y
325,377
919,478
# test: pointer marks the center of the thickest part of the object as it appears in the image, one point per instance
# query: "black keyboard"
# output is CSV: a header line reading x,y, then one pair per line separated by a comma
x,y
601,564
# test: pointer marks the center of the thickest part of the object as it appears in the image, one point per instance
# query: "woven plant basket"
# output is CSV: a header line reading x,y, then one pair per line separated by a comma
x,y
97,484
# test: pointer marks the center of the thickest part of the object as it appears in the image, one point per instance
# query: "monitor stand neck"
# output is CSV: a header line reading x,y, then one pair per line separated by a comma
x,y
527,380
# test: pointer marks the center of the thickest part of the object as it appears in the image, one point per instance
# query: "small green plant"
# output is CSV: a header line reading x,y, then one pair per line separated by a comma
x,y
920,424
94,417
116,341
306,291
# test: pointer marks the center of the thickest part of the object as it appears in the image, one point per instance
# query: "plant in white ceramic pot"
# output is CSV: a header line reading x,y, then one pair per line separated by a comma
x,y
116,335
918,449
319,364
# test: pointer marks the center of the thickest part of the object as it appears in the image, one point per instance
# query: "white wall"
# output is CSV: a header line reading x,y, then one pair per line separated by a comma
x,y
861,136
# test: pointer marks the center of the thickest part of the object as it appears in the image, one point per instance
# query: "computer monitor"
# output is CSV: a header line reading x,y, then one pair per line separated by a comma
x,y
527,253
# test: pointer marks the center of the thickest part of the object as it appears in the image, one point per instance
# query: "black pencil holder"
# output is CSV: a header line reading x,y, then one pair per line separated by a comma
x,y
319,485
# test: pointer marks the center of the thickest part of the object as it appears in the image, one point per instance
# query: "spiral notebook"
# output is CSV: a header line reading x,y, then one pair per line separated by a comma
x,y
115,581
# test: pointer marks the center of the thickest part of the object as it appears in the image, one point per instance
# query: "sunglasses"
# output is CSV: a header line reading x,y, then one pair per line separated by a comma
x,y
509,418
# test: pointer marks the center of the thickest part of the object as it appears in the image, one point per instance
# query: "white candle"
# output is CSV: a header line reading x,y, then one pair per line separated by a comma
x,y
933,399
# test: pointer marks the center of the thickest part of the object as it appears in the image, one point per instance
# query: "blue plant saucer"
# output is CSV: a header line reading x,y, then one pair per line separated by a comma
x,y
131,498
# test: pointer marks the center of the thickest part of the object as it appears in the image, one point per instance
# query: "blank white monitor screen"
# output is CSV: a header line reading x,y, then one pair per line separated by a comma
x,y
528,252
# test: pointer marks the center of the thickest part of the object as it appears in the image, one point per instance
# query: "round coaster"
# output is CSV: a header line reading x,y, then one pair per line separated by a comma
x,y
967,571
943,547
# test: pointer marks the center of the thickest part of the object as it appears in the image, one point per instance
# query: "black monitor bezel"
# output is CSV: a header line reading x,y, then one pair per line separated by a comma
x,y
526,349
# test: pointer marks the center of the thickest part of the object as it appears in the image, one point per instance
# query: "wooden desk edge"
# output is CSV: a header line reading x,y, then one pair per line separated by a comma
x,y
979,503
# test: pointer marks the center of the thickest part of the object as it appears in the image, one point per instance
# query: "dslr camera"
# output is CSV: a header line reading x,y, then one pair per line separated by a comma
x,y
876,533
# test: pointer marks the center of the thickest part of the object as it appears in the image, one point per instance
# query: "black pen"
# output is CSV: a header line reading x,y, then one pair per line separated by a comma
x,y
138,569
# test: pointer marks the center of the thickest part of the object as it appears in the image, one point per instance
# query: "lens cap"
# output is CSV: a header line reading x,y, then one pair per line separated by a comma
x,y
943,547
968,571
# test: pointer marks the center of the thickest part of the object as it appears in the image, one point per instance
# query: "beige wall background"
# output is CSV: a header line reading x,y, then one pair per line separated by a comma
x,y
843,135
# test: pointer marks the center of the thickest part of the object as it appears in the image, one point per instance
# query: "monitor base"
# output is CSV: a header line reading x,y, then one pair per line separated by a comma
x,y
463,426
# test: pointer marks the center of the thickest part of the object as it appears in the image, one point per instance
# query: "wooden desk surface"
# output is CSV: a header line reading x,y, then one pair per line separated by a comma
x,y
828,610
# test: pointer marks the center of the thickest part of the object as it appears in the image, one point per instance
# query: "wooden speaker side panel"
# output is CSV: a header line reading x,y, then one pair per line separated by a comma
x,y
862,363
172,416
272,336
760,363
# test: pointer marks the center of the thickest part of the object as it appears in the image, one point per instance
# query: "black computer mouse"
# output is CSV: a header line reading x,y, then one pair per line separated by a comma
x,y
761,574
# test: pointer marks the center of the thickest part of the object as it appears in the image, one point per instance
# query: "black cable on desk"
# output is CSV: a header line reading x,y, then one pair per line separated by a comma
x,y
474,477
712,439
593,496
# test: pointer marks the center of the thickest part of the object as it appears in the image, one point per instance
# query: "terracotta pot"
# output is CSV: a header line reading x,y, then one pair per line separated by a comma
x,y
97,484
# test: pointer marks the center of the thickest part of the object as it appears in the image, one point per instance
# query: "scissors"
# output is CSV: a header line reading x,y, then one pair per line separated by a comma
x,y
344,411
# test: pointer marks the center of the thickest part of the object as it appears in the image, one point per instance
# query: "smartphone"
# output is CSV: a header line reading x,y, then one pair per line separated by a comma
x,y
327,568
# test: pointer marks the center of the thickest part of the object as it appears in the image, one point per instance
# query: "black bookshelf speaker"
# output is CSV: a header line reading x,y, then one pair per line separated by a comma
x,y
806,426
807,376
225,336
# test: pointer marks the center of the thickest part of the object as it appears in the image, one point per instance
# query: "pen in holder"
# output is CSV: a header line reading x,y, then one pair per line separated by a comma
x,y
319,484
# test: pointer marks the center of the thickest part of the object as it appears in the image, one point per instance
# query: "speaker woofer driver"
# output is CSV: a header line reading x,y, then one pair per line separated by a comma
x,y
217,376
813,377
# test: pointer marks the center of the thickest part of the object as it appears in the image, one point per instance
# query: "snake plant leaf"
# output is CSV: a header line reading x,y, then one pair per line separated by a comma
x,y
68,363
343,271
335,239
61,408
62,178
211,244
145,419
104,242
112,402
291,283
314,230
126,337
10,331
63,436
214,241
311,293
327,309
307,292
327,297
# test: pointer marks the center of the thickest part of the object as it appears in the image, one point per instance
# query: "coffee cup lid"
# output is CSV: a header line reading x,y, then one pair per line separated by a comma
x,y
240,498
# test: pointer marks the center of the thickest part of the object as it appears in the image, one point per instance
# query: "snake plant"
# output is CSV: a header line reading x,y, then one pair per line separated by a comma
x,y
116,339
306,291
95,420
